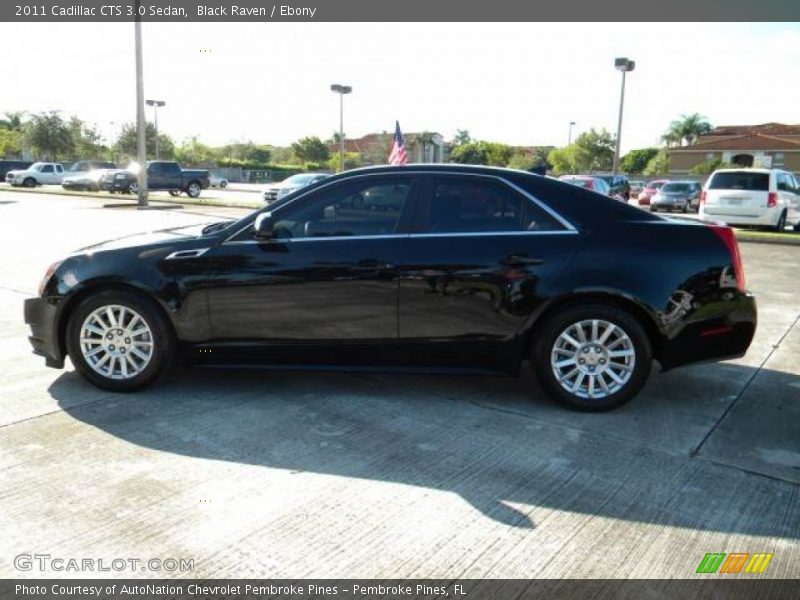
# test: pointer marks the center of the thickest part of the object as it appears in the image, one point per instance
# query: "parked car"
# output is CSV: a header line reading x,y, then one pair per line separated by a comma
x,y
39,173
291,184
649,190
677,195
12,165
85,175
636,187
620,187
219,182
162,175
587,182
758,197
476,268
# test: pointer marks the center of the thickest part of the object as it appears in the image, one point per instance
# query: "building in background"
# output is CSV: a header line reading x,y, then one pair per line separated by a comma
x,y
772,145
374,148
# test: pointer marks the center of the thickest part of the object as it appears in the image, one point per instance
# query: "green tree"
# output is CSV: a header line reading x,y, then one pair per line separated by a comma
x,y
598,147
352,160
635,161
686,129
311,149
10,142
461,137
12,120
658,165
482,153
570,159
127,142
48,135
709,166
87,142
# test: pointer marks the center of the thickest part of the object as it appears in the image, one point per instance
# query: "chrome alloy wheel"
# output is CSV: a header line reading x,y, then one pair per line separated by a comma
x,y
593,358
116,342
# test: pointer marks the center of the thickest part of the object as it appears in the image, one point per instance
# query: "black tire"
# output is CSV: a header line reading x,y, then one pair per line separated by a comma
x,y
163,340
223,184
653,208
193,189
132,188
781,224
548,334
29,182
686,207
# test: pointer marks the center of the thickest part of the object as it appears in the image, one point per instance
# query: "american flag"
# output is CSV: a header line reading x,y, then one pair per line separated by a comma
x,y
398,154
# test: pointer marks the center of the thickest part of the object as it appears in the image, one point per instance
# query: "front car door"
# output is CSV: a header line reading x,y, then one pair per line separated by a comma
x,y
329,276
482,256
47,174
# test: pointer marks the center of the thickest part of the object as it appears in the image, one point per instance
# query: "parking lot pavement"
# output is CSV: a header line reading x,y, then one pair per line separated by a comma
x,y
275,474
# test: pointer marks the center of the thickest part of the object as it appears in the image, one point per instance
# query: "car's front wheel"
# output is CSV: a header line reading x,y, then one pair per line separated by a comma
x,y
193,190
133,188
29,182
592,357
119,341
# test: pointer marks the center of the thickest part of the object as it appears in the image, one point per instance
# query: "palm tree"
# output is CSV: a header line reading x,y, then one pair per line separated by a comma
x,y
686,129
423,139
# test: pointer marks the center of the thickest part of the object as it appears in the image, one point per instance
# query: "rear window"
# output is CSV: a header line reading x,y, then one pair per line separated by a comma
x,y
740,180
676,187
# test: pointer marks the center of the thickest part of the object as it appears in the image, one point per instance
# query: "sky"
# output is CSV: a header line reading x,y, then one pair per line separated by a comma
x,y
516,83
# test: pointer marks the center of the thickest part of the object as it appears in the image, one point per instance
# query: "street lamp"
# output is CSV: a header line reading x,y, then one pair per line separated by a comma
x,y
341,90
569,137
141,149
624,65
156,104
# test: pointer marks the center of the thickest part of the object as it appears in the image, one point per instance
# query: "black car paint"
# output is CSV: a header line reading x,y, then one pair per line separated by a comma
x,y
413,299
162,175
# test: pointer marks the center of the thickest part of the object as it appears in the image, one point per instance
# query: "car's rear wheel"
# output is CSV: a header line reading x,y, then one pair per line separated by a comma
x,y
592,357
119,341
29,182
781,224
193,190
223,184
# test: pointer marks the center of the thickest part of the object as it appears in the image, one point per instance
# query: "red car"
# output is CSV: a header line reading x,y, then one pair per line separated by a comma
x,y
595,184
650,189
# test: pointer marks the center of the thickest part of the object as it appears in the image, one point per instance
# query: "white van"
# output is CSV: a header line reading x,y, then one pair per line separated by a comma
x,y
761,197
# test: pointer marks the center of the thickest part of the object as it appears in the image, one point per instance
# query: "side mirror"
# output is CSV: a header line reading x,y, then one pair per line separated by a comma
x,y
264,226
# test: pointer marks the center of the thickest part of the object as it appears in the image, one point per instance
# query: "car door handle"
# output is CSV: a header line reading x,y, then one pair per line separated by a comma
x,y
520,260
371,265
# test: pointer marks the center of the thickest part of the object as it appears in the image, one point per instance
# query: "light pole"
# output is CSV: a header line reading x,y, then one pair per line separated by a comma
x,y
569,137
624,65
141,148
341,90
156,104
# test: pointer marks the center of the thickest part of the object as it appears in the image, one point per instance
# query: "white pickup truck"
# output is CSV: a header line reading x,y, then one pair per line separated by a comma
x,y
39,173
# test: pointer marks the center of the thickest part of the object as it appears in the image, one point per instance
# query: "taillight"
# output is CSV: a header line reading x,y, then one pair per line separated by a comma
x,y
772,199
728,238
703,197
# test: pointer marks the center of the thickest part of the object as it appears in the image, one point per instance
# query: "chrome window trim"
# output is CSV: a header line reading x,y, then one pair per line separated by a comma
x,y
337,238
184,254
531,198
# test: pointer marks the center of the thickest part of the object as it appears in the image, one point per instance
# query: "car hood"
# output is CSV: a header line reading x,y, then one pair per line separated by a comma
x,y
153,238
16,172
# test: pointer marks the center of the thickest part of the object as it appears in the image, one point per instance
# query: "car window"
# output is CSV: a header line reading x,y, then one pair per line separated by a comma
x,y
369,207
474,205
47,169
740,180
784,184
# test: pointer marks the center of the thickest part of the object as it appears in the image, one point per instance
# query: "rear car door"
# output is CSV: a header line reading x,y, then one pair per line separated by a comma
x,y
329,276
483,254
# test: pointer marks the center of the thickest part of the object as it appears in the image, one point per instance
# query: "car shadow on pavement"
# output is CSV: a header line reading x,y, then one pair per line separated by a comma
x,y
494,441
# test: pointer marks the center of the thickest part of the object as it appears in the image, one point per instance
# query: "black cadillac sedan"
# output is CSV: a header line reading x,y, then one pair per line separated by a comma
x,y
441,267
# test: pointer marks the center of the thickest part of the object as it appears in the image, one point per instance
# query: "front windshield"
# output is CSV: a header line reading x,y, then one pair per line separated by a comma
x,y
36,166
303,179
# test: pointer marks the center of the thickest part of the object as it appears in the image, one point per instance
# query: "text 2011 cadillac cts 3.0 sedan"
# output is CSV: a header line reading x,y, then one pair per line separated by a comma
x,y
468,268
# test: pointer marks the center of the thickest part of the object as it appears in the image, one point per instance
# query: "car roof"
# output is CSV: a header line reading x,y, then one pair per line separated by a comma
x,y
746,169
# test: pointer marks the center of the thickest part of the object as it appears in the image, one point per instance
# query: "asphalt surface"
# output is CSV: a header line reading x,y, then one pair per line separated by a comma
x,y
280,474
